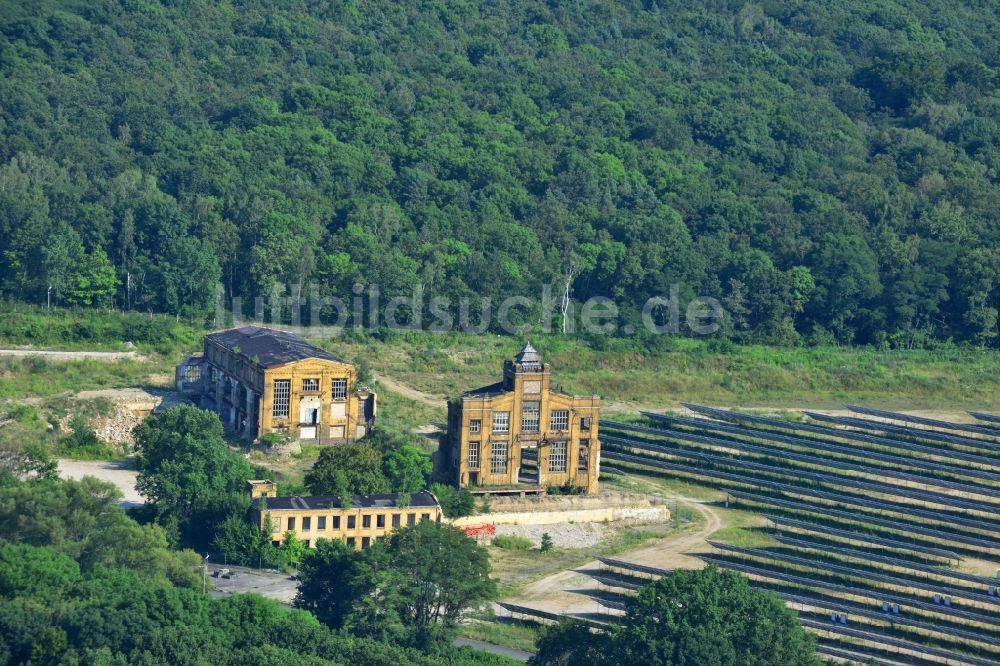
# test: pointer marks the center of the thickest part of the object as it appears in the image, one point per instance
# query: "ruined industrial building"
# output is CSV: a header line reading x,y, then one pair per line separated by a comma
x,y
360,520
520,434
261,380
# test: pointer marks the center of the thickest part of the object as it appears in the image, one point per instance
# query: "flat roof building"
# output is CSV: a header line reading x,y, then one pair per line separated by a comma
x,y
360,521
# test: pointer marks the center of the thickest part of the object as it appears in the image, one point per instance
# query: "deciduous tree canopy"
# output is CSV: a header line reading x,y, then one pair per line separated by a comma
x,y
151,149
689,618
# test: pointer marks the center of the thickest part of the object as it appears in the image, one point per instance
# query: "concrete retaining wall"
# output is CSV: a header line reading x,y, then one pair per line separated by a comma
x,y
543,517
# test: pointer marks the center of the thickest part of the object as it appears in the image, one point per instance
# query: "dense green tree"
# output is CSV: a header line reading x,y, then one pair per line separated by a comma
x,y
690,618
414,587
455,502
187,471
347,469
332,580
407,469
612,150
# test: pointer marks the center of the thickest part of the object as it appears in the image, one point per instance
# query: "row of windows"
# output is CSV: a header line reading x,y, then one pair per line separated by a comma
x,y
499,454
283,393
351,541
366,521
530,420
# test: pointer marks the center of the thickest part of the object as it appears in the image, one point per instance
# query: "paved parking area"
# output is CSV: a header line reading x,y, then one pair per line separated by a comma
x,y
277,586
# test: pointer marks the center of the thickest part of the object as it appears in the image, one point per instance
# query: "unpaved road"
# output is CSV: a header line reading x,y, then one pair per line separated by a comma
x,y
71,355
409,392
118,472
566,592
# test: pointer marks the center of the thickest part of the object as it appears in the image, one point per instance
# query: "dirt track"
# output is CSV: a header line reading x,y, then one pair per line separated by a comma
x,y
118,472
566,591
71,355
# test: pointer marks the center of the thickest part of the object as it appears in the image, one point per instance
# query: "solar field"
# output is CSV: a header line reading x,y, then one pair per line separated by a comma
x,y
886,526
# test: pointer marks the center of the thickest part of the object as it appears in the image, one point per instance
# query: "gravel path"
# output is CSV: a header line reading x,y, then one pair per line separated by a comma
x,y
118,472
567,592
70,355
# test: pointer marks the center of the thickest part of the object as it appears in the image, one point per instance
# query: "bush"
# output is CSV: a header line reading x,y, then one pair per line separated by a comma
x,y
566,489
83,442
511,542
547,544
455,503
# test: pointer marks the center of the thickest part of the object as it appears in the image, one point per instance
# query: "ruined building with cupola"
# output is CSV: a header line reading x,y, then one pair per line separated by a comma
x,y
519,434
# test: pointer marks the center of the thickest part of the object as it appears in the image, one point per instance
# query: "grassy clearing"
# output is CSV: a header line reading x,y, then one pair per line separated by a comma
x,y
513,569
511,542
625,373
35,377
752,375
505,631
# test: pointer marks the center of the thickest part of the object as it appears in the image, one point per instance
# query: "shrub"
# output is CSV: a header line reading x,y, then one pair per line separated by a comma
x,y
512,542
547,544
455,503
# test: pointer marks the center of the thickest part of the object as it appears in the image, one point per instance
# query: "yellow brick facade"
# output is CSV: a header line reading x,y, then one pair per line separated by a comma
x,y
521,433
276,382
367,520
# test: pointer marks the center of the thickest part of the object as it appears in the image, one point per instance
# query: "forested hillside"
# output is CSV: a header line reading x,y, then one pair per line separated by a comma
x,y
826,169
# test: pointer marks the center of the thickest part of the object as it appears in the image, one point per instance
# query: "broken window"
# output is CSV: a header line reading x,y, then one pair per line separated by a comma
x,y
475,425
530,416
559,420
310,384
339,389
282,398
474,455
557,457
498,457
501,421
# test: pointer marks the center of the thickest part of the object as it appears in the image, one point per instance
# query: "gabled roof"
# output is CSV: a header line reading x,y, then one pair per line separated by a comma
x,y
421,500
269,347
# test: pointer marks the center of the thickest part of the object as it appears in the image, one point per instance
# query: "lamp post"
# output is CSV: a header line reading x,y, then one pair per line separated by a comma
x,y
204,576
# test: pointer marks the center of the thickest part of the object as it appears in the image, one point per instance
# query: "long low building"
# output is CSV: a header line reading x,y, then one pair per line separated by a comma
x,y
262,380
360,521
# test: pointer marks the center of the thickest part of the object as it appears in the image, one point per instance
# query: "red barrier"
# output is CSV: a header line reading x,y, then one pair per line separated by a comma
x,y
480,531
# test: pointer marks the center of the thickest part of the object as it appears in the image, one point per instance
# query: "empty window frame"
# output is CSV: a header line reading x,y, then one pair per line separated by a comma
x,y
282,398
411,519
473,455
395,520
498,457
336,522
380,521
559,420
310,384
306,523
351,522
291,524
501,421
321,523
366,522
530,416
557,457
475,425
339,390
192,374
